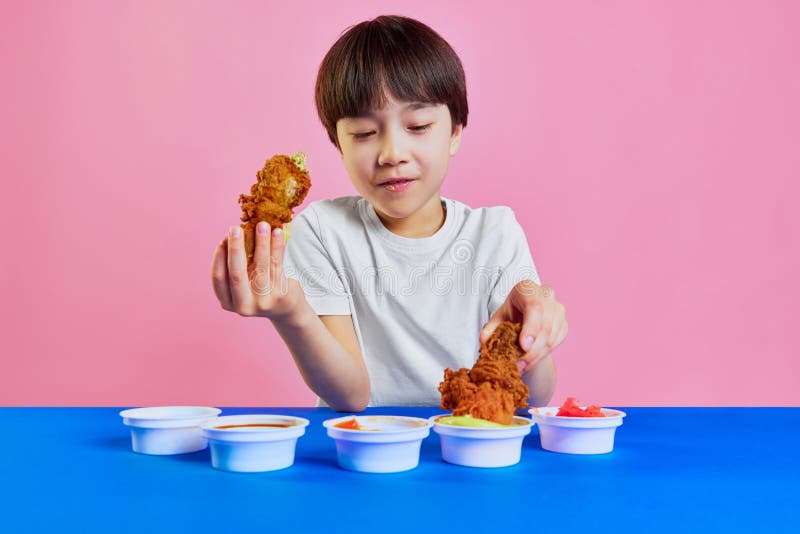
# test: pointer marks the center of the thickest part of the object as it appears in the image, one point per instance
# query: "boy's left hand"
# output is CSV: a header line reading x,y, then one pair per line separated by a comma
x,y
543,318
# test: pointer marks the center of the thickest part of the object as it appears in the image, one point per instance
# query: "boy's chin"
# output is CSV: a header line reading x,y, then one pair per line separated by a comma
x,y
394,211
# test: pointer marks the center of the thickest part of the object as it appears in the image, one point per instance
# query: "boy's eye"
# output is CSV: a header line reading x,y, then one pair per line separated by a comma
x,y
363,135
421,128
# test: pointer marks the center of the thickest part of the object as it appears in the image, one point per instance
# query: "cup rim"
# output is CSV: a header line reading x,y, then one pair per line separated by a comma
x,y
297,422
526,423
178,412
419,423
610,413
168,416
547,419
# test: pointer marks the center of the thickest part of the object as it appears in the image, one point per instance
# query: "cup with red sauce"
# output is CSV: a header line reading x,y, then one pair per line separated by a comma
x,y
253,443
575,429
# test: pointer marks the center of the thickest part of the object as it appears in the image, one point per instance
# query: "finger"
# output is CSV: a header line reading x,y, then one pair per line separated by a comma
x,y
533,362
535,355
548,318
219,275
562,333
259,270
277,250
555,328
558,320
539,349
494,322
262,252
528,361
542,346
237,270
531,325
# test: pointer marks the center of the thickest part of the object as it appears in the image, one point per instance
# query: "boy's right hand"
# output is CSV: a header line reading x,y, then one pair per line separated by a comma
x,y
261,288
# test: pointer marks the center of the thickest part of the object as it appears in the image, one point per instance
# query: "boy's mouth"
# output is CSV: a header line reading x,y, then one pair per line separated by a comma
x,y
396,184
395,181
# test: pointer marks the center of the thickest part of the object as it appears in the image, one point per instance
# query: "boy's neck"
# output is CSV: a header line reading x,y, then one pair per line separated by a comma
x,y
423,223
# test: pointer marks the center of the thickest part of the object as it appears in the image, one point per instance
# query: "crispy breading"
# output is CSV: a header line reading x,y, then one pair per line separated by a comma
x,y
493,389
281,185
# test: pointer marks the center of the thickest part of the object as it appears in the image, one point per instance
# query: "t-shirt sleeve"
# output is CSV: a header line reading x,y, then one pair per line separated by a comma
x,y
516,262
308,261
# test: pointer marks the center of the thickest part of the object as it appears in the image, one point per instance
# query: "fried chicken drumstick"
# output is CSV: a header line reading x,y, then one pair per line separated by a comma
x,y
281,185
493,389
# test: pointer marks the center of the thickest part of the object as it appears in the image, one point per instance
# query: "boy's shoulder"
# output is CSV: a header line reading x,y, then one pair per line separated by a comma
x,y
339,204
332,207
483,215
330,216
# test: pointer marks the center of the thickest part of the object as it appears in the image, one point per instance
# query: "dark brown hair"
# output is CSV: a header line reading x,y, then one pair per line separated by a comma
x,y
399,54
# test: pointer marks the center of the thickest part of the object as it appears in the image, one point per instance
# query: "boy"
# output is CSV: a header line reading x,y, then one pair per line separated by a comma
x,y
383,291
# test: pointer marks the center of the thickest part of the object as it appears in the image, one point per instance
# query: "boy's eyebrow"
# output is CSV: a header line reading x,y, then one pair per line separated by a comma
x,y
413,106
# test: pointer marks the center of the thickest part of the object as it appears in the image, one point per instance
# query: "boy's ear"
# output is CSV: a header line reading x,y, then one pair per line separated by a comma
x,y
455,140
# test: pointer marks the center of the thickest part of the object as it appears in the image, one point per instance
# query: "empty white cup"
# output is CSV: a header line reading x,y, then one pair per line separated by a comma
x,y
168,429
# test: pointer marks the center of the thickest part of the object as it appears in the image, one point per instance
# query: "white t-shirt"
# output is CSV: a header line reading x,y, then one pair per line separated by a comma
x,y
417,305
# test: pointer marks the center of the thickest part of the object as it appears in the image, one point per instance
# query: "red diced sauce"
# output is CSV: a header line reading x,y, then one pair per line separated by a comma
x,y
350,424
570,408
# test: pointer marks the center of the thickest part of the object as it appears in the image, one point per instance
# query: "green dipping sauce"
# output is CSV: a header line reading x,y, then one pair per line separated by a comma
x,y
299,159
468,420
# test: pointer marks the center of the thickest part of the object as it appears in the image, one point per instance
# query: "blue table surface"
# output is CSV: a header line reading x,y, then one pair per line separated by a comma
x,y
672,470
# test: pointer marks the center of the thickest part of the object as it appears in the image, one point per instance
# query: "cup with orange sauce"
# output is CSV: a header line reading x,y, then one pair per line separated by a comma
x,y
378,443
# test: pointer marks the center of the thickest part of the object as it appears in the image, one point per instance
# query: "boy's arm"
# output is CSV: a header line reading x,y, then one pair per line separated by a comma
x,y
326,351
328,360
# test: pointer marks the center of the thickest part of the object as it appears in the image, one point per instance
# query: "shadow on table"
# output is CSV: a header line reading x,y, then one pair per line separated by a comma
x,y
316,459
124,444
116,443
202,457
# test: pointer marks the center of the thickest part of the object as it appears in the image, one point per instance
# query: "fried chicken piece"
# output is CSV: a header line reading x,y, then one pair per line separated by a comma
x,y
281,185
493,389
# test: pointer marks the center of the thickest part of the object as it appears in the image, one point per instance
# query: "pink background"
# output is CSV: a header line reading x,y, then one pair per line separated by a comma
x,y
649,149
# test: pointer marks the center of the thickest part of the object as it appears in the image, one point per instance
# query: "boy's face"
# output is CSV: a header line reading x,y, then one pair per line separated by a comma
x,y
408,140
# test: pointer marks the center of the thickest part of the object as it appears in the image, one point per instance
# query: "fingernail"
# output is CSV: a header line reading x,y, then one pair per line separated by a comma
x,y
521,364
261,228
527,343
277,232
235,231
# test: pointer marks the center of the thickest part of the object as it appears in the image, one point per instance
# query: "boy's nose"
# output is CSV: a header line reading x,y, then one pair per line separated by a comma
x,y
393,151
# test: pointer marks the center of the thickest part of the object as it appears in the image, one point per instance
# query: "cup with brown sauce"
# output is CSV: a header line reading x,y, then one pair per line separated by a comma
x,y
253,443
